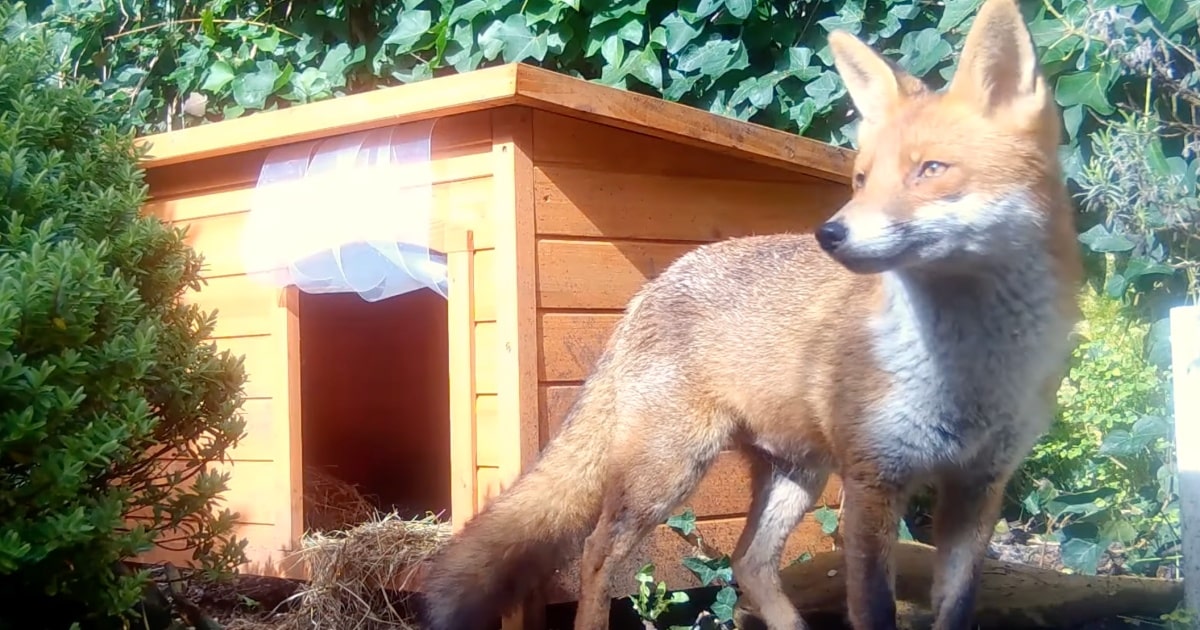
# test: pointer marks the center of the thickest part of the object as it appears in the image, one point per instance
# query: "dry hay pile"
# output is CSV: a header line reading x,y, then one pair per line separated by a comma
x,y
358,561
331,504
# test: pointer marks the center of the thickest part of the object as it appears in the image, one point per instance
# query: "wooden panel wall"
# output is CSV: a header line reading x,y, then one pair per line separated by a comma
x,y
612,210
212,199
255,321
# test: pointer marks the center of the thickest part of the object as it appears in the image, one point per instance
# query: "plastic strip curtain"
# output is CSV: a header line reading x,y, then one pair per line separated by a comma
x,y
347,214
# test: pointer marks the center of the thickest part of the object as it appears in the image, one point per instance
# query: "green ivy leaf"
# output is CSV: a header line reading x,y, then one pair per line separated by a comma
x,y
220,74
250,91
1082,556
956,11
827,518
698,10
849,17
714,57
1088,88
680,32
740,9
1160,9
411,26
922,50
684,522
514,39
725,603
824,90
1099,239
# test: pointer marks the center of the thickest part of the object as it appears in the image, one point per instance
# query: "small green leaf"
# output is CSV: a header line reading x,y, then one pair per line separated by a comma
x,y
1160,9
827,518
922,50
1082,556
714,57
904,533
684,522
251,91
514,39
955,12
410,27
680,32
1088,88
220,73
726,602
739,9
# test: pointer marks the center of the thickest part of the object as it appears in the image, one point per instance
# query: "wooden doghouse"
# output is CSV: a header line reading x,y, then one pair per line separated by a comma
x,y
551,199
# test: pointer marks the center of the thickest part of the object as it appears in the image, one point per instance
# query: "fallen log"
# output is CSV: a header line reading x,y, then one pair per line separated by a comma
x,y
1012,596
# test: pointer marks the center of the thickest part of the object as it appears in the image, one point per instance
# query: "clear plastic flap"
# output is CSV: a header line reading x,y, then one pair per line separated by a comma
x,y
347,214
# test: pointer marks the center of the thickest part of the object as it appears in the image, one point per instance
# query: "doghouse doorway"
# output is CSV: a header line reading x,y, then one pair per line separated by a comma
x,y
375,397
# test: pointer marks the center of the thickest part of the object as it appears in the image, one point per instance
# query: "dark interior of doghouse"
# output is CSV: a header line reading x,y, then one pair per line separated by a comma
x,y
375,397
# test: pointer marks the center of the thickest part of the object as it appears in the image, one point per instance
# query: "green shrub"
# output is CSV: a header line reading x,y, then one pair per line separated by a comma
x,y
102,371
1104,473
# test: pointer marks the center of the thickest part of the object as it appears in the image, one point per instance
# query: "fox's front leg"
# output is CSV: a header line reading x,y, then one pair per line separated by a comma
x,y
968,505
870,523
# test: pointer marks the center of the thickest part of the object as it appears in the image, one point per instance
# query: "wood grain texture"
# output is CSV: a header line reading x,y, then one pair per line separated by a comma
x,y
515,290
599,204
571,343
599,274
460,147
484,286
487,88
243,306
460,305
679,123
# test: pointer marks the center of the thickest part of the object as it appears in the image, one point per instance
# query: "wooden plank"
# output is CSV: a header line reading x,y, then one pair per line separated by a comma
x,y
489,436
461,344
289,454
487,352
515,290
588,203
666,550
455,202
453,94
456,207
485,285
568,141
691,126
504,85
572,342
172,193
243,306
599,274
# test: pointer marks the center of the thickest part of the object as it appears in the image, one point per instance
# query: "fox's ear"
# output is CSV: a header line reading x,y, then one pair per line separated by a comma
x,y
875,84
999,66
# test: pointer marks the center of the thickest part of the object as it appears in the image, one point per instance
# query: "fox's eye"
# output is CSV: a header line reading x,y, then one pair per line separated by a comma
x,y
932,169
860,178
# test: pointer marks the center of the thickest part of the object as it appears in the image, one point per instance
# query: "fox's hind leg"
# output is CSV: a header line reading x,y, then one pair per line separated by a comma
x,y
648,477
783,493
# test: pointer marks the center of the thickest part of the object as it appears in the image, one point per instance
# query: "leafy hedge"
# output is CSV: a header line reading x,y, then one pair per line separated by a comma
x,y
1124,71
112,406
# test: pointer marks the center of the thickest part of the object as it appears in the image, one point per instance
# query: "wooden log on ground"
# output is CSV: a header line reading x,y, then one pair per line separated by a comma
x,y
1012,595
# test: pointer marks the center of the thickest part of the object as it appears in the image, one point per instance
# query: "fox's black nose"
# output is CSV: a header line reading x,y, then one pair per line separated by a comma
x,y
831,234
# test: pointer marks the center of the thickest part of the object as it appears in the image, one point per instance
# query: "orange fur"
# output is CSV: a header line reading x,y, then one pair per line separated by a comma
x,y
917,338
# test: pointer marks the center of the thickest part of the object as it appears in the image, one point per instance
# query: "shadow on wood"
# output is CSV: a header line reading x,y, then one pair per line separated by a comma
x,y
1012,595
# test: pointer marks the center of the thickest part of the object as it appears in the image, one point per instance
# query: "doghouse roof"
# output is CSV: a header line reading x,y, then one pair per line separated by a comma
x,y
512,84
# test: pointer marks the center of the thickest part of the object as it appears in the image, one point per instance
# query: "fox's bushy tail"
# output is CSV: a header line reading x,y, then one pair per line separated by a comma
x,y
522,535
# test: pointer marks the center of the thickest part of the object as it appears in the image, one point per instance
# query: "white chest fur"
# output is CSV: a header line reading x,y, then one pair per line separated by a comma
x,y
967,359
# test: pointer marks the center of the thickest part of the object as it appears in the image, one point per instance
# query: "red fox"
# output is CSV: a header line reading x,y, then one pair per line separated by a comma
x,y
918,336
